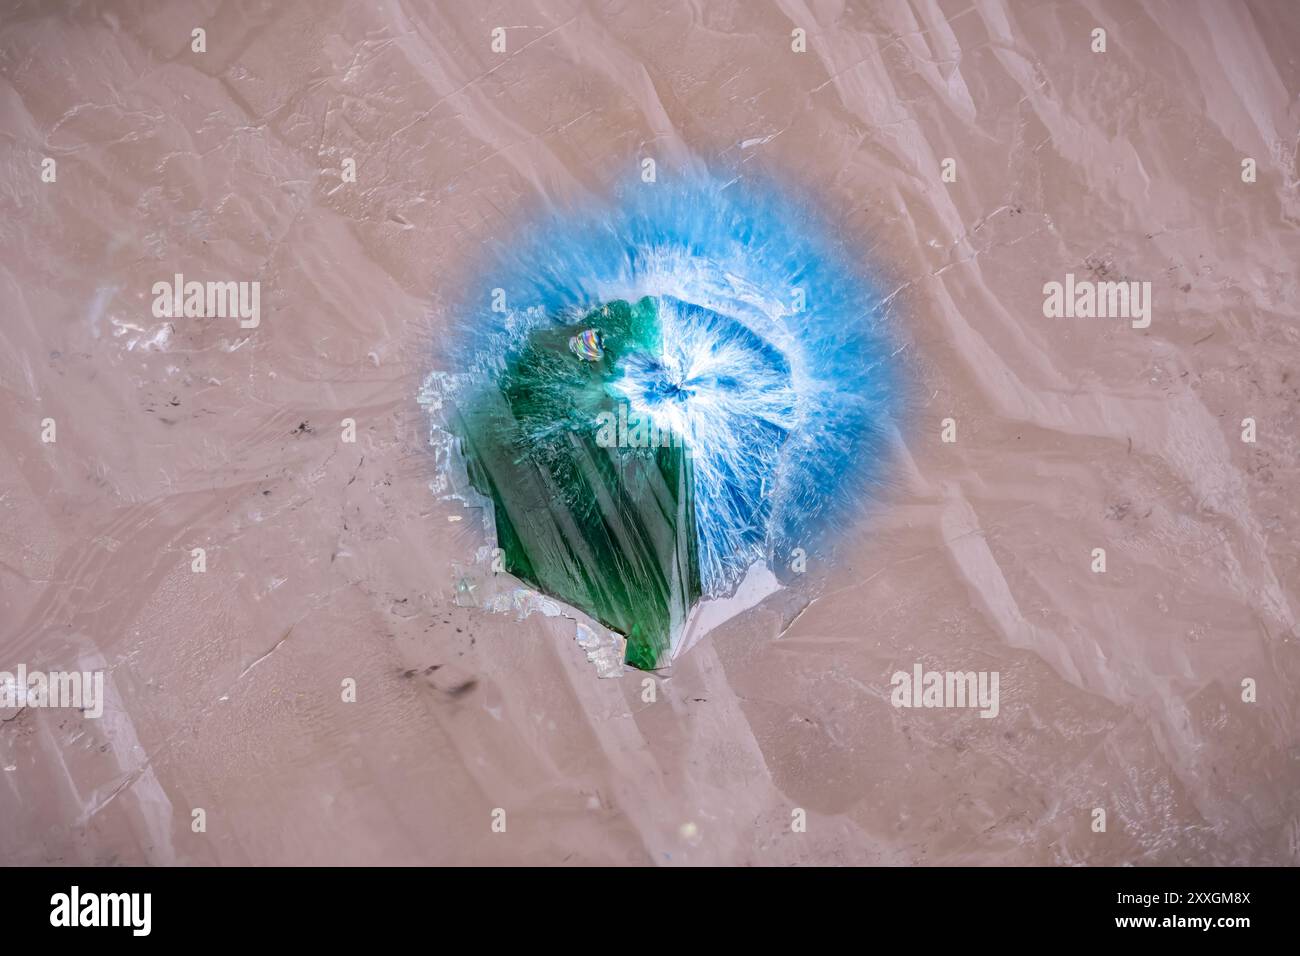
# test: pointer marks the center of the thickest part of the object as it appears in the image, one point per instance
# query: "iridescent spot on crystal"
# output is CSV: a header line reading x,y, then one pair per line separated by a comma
x,y
588,345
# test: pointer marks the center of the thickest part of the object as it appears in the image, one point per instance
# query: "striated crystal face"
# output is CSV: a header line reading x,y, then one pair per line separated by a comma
x,y
587,508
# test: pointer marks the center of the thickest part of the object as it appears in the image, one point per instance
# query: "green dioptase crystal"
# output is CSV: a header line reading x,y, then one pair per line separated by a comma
x,y
608,530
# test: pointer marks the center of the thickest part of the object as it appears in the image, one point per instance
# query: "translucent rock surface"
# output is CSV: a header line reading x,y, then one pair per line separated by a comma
x,y
605,527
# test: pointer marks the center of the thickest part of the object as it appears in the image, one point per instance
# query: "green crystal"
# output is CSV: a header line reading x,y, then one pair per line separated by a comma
x,y
608,530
